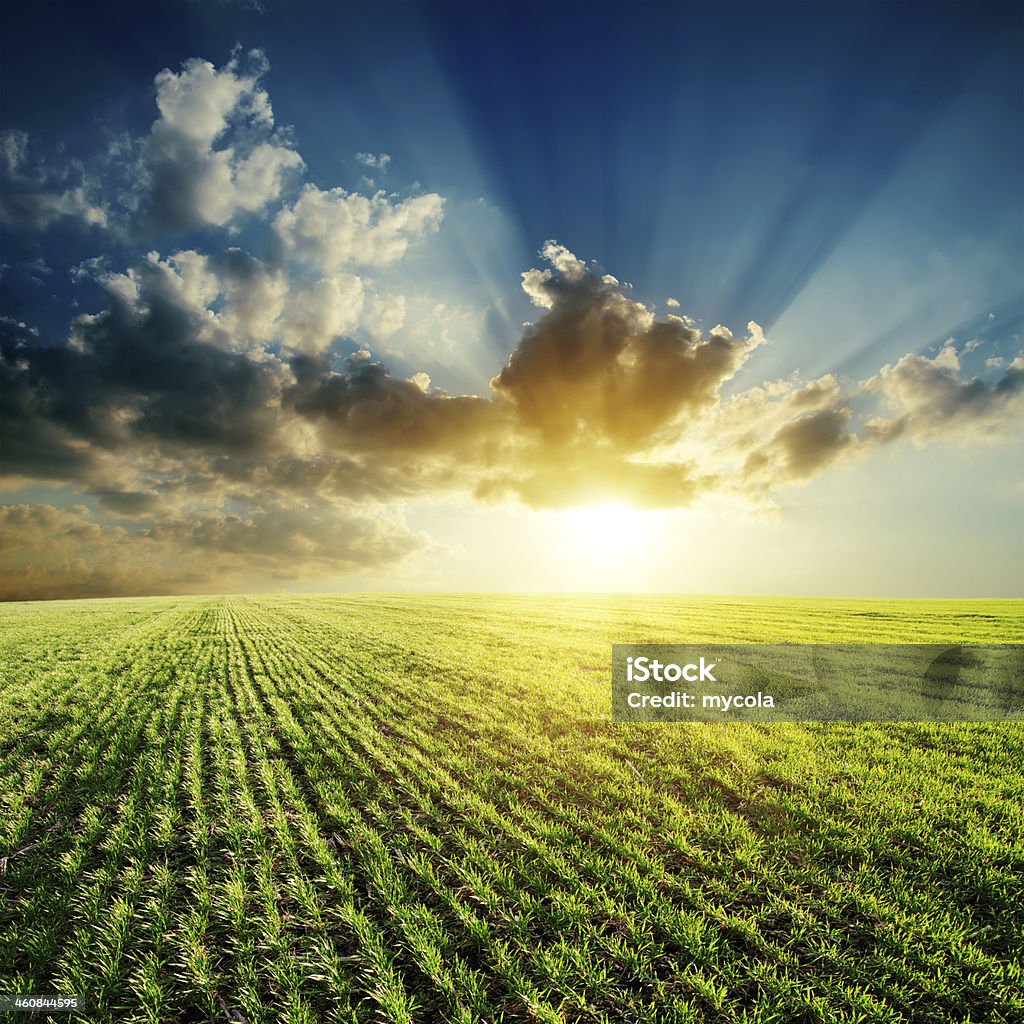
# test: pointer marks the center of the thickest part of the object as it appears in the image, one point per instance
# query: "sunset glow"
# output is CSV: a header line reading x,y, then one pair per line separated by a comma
x,y
612,531
269,305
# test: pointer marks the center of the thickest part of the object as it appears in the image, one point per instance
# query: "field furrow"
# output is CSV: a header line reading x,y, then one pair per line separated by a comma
x,y
400,809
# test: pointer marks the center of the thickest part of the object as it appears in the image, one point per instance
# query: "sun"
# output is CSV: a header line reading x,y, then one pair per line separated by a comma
x,y
611,529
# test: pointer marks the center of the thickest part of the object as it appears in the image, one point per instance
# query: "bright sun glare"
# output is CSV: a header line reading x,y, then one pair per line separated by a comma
x,y
612,529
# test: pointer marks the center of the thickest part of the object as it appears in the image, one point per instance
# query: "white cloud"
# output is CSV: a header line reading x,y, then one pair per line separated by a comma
x,y
197,102
385,314
13,151
378,162
317,314
186,181
337,230
238,304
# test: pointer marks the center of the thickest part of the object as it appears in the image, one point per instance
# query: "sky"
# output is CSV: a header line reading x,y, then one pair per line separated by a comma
x,y
412,295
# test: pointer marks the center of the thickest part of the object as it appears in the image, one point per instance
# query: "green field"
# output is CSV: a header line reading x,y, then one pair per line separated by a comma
x,y
368,808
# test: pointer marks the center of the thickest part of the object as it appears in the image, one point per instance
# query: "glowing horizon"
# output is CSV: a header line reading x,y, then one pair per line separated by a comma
x,y
289,321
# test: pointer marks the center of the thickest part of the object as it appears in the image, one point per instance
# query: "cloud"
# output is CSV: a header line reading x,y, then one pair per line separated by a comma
x,y
385,314
240,303
598,368
318,313
213,153
40,209
928,401
803,447
149,398
51,552
598,385
378,162
34,196
195,394
335,229
780,432
13,151
225,418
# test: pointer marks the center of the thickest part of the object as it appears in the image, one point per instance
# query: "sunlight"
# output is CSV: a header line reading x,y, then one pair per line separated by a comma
x,y
611,530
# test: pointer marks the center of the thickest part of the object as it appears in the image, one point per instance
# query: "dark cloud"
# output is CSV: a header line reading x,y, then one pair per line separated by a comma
x,y
803,447
41,209
599,368
207,415
369,410
36,399
133,378
128,503
218,457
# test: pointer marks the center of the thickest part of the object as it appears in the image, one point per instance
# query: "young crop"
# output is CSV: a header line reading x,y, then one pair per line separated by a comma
x,y
417,809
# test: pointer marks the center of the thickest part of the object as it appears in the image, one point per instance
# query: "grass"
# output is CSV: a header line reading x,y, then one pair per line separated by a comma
x,y
417,809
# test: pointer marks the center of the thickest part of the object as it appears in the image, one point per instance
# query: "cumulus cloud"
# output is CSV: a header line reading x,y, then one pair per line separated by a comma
x,y
241,303
599,368
928,401
181,395
208,427
779,432
803,447
597,385
213,152
318,313
336,229
385,314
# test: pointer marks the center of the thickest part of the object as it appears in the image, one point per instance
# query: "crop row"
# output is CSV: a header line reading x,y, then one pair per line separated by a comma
x,y
409,810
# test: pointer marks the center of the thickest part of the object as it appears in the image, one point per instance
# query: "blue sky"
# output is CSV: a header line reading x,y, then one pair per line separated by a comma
x,y
847,176
723,152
